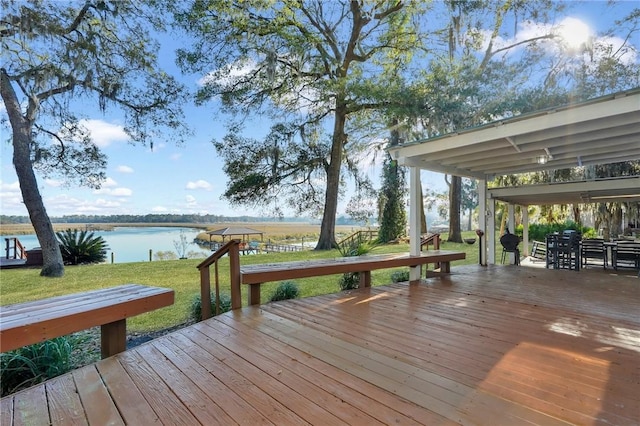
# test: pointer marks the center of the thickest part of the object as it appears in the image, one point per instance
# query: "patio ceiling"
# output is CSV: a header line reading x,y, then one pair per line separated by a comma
x,y
606,190
600,131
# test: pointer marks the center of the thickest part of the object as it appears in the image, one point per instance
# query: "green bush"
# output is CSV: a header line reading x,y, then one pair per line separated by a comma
x,y
538,231
36,363
196,306
285,290
399,276
349,281
81,247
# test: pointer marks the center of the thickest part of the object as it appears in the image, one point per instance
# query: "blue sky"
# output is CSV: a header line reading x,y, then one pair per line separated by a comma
x,y
189,179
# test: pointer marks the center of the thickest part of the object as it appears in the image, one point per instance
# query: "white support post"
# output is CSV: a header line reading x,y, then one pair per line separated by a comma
x,y
414,220
511,217
490,232
482,220
525,230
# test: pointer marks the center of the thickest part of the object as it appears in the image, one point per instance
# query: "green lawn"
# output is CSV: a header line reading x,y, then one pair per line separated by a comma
x,y
20,285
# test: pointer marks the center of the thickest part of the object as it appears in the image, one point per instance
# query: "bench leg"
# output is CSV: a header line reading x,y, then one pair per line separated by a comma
x,y
113,338
365,279
445,267
254,294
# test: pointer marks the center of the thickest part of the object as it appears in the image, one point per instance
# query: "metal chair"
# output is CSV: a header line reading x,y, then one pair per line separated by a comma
x,y
510,245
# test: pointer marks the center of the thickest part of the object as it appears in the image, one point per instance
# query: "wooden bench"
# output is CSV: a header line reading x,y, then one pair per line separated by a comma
x,y
255,275
27,323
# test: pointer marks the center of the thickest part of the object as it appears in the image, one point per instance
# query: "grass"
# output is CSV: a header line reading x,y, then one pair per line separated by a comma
x,y
21,285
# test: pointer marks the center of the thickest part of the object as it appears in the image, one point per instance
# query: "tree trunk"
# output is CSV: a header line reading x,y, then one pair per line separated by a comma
x,y
423,217
455,194
53,265
327,239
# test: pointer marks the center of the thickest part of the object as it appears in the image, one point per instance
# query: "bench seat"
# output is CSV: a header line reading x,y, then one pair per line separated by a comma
x,y
27,323
254,275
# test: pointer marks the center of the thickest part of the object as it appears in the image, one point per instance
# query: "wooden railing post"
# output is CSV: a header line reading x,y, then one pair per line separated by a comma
x,y
234,273
205,293
230,248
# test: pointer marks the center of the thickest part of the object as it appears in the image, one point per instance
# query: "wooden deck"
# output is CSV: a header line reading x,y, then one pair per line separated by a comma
x,y
502,345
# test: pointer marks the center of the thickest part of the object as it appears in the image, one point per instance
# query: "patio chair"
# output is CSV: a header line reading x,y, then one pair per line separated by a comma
x,y
593,249
626,254
509,244
568,250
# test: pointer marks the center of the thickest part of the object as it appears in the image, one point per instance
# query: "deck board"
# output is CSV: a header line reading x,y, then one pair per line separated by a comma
x,y
497,345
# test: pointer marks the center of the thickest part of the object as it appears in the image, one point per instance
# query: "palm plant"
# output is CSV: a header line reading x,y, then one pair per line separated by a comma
x,y
81,247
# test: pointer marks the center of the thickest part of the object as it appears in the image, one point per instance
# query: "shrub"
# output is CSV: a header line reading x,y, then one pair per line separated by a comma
x,y
36,363
349,281
399,276
285,290
196,306
540,231
81,247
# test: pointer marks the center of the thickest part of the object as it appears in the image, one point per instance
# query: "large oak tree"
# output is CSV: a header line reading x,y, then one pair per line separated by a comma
x,y
321,66
58,55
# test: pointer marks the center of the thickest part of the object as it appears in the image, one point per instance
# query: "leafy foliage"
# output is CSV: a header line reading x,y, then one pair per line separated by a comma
x,y
393,217
400,276
81,247
351,280
36,363
195,310
284,167
540,231
285,290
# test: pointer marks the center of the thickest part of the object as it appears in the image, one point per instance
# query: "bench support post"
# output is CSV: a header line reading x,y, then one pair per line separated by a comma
x,y
365,279
113,338
254,294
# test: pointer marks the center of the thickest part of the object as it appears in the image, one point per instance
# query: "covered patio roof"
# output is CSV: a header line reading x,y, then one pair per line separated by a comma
x,y
604,130
600,131
592,191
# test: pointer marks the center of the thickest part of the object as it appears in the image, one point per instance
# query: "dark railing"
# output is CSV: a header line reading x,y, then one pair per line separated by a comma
x,y
14,249
357,238
279,248
430,239
232,250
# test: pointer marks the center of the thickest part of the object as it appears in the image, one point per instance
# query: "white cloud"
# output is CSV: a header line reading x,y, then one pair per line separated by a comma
x,y
199,184
10,187
191,201
64,204
124,169
55,183
11,199
175,157
103,133
109,183
121,192
110,187
159,209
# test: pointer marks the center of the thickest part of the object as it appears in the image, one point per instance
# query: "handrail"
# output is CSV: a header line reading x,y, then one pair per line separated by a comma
x,y
232,249
430,238
17,247
362,236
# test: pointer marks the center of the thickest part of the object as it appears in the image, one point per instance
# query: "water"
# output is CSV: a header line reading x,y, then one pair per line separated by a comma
x,y
132,244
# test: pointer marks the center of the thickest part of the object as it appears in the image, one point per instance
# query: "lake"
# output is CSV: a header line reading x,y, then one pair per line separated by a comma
x,y
132,244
